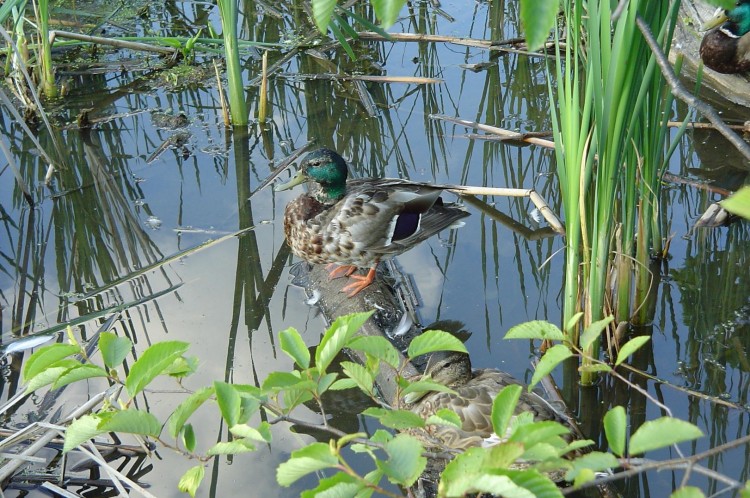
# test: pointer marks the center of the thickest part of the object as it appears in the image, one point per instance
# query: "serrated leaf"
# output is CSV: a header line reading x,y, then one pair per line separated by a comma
x,y
186,409
281,380
405,462
261,434
337,336
231,447
152,363
738,203
538,18
395,419
322,10
360,375
573,321
595,461
81,430
228,400
45,357
339,485
631,347
430,341
536,329
593,331
79,372
191,479
538,432
377,347
444,416
424,386
293,345
553,357
131,421
687,492
615,427
114,349
311,458
503,408
342,384
188,437
387,10
182,367
50,374
660,433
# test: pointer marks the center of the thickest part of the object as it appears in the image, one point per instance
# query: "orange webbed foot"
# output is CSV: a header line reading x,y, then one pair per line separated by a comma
x,y
335,271
359,283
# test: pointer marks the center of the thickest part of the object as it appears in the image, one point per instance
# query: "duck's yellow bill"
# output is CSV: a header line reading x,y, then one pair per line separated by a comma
x,y
719,18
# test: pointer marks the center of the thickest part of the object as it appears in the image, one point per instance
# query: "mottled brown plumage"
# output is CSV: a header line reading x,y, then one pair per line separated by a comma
x,y
475,390
360,222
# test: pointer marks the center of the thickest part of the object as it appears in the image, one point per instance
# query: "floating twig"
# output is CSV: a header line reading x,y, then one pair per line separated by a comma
x,y
415,80
507,134
745,127
100,40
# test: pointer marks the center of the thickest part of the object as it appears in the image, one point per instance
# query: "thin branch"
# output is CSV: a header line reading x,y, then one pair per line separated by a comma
x,y
679,91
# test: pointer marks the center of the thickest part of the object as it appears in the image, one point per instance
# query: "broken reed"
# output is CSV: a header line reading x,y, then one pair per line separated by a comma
x,y
610,127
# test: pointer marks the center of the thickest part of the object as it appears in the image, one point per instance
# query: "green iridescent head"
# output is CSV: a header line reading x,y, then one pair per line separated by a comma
x,y
326,170
735,22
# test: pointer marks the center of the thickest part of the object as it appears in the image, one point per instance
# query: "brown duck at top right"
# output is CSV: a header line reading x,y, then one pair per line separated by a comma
x,y
726,48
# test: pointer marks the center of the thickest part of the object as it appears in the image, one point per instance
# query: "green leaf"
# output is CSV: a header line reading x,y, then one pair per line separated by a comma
x,y
595,461
471,472
615,427
424,386
152,363
536,329
261,434
325,381
377,347
79,372
281,380
405,461
228,400
186,409
231,447
395,419
595,368
631,347
311,458
593,331
339,485
341,38
337,336
191,479
114,349
738,203
188,437
687,492
45,357
553,357
387,10
293,345
573,321
131,421
430,341
360,375
182,367
503,407
660,433
538,432
322,10
343,384
81,430
538,18
444,416
50,374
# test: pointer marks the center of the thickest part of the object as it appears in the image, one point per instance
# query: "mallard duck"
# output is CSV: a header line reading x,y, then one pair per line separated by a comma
x,y
475,391
358,223
726,48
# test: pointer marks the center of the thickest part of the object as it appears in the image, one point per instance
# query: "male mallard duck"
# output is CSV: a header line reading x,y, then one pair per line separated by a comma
x,y
475,391
360,222
726,48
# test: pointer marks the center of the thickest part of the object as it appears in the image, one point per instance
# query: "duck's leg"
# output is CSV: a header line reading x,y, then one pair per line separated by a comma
x,y
359,282
335,270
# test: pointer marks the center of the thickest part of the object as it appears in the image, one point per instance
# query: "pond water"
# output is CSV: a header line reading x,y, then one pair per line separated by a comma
x,y
115,231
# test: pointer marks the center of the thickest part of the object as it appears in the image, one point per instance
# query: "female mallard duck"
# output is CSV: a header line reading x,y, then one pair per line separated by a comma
x,y
475,391
726,48
360,222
